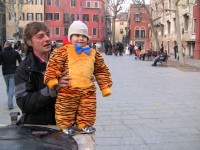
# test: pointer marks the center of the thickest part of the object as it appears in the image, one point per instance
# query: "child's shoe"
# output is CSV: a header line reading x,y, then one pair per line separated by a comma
x,y
70,131
87,129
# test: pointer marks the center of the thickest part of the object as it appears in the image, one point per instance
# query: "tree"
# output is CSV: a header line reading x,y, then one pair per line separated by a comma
x,y
151,21
180,50
115,7
15,10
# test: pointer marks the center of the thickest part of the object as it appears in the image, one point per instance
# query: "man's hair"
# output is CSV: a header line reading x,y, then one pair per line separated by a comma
x,y
31,29
7,44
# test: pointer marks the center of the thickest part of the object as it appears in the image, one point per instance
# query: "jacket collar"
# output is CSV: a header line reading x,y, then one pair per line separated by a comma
x,y
32,63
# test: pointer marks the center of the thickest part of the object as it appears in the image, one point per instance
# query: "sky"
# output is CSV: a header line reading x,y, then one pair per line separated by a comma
x,y
128,2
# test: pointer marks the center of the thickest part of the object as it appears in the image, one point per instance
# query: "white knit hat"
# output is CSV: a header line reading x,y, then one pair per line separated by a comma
x,y
77,27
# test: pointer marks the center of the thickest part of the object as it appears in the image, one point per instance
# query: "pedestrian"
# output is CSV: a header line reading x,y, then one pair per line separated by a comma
x,y
106,47
160,57
9,58
76,104
35,100
175,50
162,48
121,49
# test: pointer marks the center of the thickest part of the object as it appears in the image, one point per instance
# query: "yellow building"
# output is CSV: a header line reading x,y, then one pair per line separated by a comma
x,y
120,27
32,10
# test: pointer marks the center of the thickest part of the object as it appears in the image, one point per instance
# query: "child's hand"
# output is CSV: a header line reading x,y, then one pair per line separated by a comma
x,y
63,81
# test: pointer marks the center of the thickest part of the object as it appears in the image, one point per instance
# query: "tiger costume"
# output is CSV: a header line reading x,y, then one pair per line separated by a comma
x,y
77,103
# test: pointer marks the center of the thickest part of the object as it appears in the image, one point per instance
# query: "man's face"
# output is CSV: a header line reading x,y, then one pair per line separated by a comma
x,y
40,42
79,39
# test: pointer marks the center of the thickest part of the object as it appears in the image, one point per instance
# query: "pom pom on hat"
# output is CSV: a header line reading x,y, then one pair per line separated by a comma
x,y
77,27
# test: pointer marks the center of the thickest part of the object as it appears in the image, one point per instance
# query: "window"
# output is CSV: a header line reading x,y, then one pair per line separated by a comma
x,y
186,22
66,31
57,2
30,17
194,25
57,31
174,25
169,4
96,4
10,16
142,34
73,3
22,17
137,17
38,2
162,30
72,17
56,16
94,31
66,17
88,4
20,33
38,17
48,2
121,31
95,18
85,17
29,2
168,27
187,2
137,33
49,16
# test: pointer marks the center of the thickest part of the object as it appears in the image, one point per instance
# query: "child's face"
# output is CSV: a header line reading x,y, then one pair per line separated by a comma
x,y
80,40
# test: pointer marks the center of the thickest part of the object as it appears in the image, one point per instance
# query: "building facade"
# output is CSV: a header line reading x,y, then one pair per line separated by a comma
x,y
59,14
163,14
121,27
196,12
2,23
138,28
30,11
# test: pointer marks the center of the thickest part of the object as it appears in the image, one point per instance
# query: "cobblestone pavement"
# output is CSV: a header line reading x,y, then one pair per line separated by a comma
x,y
151,108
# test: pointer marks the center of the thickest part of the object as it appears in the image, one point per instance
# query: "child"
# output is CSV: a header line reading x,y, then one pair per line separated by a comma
x,y
76,104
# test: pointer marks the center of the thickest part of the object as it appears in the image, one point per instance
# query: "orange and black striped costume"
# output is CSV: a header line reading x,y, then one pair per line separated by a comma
x,y
77,103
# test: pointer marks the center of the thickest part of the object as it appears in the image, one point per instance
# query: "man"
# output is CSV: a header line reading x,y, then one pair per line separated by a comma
x,y
35,99
175,50
161,57
8,59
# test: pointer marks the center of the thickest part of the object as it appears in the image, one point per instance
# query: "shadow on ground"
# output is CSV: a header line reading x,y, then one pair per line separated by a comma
x,y
185,68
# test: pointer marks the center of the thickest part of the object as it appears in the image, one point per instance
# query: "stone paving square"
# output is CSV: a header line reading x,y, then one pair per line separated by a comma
x,y
151,108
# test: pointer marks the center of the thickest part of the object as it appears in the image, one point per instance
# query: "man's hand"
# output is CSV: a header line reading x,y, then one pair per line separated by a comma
x,y
63,81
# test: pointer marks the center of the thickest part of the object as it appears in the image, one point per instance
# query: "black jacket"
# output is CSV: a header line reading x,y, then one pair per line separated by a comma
x,y
8,59
34,99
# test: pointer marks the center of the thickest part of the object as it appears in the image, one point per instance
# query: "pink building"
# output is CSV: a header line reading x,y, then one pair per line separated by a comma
x,y
59,14
196,15
138,29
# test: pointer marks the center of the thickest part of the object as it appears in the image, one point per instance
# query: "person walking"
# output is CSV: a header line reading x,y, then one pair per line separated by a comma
x,y
9,58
